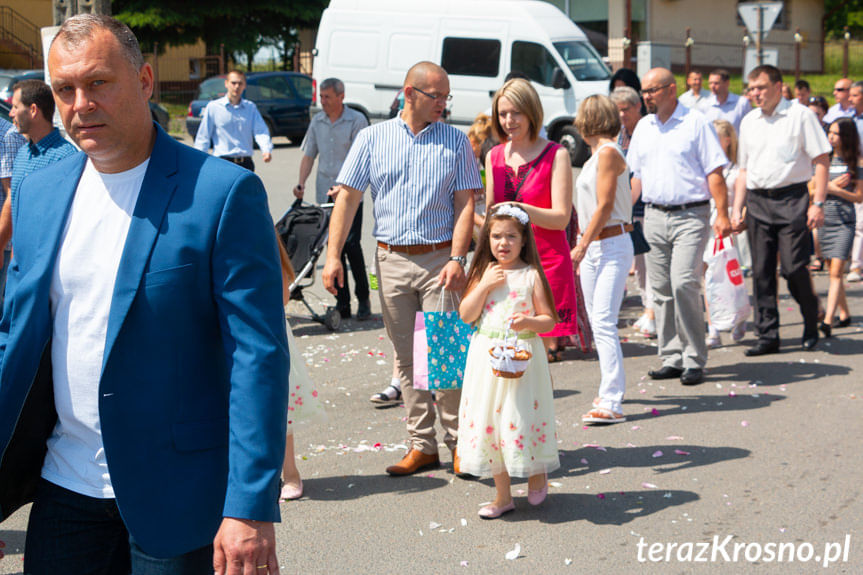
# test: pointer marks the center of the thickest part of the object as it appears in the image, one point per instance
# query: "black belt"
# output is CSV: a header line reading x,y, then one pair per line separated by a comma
x,y
678,207
237,159
775,193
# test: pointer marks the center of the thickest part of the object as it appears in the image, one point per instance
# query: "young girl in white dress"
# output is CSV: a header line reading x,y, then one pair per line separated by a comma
x,y
303,404
506,426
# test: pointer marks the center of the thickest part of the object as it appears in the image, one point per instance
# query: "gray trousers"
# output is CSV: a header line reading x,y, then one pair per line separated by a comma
x,y
674,269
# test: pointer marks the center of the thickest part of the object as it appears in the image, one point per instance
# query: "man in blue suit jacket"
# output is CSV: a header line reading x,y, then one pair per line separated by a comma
x,y
143,354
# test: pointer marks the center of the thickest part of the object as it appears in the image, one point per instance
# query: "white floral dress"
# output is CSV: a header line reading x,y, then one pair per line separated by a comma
x,y
304,407
507,424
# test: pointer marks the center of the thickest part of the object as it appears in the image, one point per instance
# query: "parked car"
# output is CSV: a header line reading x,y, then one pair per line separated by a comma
x,y
283,98
8,79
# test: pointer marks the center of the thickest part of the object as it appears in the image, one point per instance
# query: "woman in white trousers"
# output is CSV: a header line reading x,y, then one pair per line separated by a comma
x,y
604,207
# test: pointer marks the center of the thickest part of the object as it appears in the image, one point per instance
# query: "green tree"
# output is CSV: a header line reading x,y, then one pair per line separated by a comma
x,y
841,13
243,27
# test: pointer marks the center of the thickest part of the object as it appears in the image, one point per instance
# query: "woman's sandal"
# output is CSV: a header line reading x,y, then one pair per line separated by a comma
x,y
554,354
601,415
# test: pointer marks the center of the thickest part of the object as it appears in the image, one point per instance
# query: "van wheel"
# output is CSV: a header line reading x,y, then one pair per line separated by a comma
x,y
578,150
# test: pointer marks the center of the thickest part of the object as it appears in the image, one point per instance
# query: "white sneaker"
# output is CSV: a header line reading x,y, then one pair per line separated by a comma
x,y
739,331
854,276
639,323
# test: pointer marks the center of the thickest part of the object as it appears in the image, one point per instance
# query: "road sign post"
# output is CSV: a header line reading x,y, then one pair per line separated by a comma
x,y
759,18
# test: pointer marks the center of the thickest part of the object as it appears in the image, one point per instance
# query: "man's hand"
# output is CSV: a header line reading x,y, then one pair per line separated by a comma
x,y
814,217
721,227
299,191
333,193
267,156
738,223
451,277
333,274
244,546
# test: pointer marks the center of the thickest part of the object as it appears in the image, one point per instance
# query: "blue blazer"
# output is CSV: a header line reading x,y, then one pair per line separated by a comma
x,y
193,392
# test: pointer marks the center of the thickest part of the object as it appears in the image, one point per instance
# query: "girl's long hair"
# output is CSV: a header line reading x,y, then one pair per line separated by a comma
x,y
483,257
850,141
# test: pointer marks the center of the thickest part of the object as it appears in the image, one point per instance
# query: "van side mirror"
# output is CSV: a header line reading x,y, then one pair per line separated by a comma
x,y
558,80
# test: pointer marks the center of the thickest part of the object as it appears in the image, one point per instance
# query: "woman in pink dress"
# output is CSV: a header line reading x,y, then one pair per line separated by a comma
x,y
536,175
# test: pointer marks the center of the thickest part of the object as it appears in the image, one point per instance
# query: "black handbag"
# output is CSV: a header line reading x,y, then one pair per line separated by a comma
x,y
639,243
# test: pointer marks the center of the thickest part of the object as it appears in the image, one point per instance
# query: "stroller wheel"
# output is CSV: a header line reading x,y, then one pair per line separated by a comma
x,y
332,319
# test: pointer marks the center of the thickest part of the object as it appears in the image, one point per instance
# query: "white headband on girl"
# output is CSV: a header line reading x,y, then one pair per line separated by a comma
x,y
513,212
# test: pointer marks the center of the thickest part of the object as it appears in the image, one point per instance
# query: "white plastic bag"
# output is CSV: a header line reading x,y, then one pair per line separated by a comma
x,y
724,285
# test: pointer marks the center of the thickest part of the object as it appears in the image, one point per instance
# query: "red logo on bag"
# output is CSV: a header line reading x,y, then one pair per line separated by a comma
x,y
734,273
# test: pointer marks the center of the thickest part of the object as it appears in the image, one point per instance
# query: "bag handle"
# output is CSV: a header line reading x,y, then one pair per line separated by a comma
x,y
454,299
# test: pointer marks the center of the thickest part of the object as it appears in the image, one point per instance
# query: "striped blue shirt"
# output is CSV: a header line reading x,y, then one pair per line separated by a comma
x,y
230,129
413,179
31,157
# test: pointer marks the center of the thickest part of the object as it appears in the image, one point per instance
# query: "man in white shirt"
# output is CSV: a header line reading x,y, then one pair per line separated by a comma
x,y
722,104
779,143
855,100
677,162
143,351
694,98
843,107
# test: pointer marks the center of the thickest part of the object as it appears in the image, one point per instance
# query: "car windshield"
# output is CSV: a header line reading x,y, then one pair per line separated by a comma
x,y
583,60
6,82
211,88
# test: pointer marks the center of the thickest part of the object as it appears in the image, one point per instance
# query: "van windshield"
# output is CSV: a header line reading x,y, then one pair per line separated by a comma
x,y
583,60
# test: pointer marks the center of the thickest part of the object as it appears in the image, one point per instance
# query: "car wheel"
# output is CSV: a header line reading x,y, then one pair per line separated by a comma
x,y
578,150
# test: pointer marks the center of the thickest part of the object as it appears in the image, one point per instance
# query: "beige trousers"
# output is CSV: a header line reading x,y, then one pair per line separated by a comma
x,y
408,284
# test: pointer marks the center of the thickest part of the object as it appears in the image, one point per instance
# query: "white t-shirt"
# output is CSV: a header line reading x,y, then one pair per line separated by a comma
x,y
777,150
82,287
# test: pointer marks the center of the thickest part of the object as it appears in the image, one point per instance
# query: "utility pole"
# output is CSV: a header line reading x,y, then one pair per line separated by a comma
x,y
65,9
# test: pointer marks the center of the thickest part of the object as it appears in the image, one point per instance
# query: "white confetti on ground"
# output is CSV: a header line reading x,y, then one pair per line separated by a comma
x,y
512,555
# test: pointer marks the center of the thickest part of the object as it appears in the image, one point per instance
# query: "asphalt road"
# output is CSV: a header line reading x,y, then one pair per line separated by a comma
x,y
764,455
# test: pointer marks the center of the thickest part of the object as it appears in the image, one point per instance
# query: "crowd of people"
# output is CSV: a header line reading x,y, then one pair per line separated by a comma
x,y
143,339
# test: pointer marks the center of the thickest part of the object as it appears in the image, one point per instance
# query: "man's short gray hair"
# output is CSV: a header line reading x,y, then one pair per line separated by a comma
x,y
858,84
79,29
626,95
333,84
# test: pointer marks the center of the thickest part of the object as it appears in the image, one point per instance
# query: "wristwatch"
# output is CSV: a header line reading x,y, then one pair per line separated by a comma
x,y
462,261
818,204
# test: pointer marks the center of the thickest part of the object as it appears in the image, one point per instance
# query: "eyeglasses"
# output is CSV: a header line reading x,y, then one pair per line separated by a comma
x,y
444,97
841,89
652,91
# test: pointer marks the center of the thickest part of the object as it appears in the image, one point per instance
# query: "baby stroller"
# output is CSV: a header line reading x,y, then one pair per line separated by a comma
x,y
304,230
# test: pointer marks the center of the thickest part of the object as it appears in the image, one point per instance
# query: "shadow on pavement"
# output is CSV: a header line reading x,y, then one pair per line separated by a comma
x,y
13,543
675,457
349,487
785,368
675,405
613,508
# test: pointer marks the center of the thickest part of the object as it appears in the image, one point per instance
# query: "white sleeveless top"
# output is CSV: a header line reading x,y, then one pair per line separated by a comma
x,y
585,188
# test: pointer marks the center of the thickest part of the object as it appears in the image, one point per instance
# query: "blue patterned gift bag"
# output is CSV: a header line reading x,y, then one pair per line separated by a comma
x,y
448,339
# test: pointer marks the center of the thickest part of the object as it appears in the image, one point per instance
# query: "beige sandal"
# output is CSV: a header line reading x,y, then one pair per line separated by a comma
x,y
601,415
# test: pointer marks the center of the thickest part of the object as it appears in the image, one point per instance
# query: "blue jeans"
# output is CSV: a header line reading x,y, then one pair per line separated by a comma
x,y
72,534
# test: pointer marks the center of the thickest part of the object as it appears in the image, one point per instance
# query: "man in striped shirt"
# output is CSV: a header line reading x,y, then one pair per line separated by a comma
x,y
422,174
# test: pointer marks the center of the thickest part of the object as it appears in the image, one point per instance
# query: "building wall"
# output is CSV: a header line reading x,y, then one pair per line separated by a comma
x,y
39,12
719,39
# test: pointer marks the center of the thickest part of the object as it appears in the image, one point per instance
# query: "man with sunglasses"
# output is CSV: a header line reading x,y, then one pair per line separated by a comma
x,y
676,163
422,174
843,106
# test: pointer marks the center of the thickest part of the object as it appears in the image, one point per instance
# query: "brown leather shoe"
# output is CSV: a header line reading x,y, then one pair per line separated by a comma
x,y
414,461
456,466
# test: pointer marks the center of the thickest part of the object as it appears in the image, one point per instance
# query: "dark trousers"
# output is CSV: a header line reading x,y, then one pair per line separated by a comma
x,y
72,534
353,253
778,224
245,161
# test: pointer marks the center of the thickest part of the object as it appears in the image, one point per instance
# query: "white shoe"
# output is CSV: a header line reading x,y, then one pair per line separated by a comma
x,y
648,328
713,340
639,323
854,276
739,331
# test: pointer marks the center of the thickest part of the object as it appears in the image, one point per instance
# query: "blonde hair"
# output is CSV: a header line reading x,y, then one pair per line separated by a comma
x,y
525,99
597,116
724,128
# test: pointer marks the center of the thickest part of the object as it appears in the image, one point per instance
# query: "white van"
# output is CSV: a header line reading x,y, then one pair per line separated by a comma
x,y
371,44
